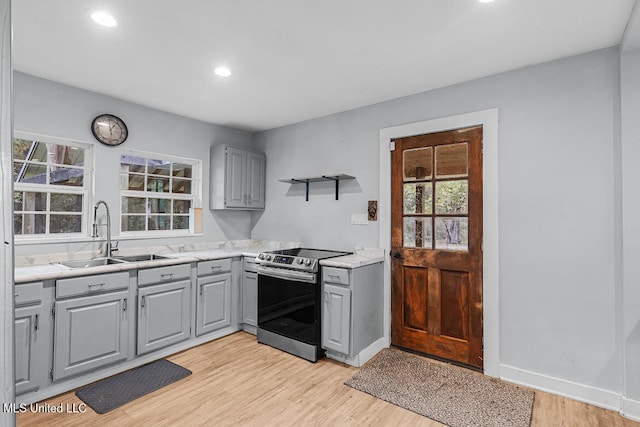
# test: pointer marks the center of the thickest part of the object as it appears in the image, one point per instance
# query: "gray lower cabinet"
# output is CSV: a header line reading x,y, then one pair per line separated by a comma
x,y
352,308
336,315
92,330
213,300
163,307
31,332
249,295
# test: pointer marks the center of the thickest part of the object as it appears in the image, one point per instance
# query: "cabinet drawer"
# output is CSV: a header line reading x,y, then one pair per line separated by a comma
x,y
91,284
250,264
335,275
164,274
215,266
28,293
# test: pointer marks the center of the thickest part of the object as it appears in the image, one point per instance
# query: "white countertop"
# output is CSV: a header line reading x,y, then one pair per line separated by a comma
x,y
359,259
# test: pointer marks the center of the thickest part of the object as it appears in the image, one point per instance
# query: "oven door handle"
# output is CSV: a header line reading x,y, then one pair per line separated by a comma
x,y
279,273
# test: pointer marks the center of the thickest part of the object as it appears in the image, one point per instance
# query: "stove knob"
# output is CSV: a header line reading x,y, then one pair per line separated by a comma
x,y
267,257
261,256
307,262
299,260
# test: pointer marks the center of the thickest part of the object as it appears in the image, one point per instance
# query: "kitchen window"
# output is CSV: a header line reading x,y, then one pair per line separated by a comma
x,y
51,178
157,193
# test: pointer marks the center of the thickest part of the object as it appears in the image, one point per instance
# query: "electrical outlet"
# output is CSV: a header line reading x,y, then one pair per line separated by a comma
x,y
359,219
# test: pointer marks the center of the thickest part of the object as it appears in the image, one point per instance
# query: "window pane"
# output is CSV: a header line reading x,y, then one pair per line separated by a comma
x,y
181,206
61,202
30,173
417,163
67,176
34,201
66,155
180,222
452,160
134,205
160,222
132,164
65,224
452,233
133,223
182,170
417,232
452,197
132,182
34,223
18,200
159,206
181,186
25,149
17,224
160,185
418,198
159,167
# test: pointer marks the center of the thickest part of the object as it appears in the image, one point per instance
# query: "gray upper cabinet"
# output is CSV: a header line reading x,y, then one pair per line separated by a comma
x,y
31,328
237,178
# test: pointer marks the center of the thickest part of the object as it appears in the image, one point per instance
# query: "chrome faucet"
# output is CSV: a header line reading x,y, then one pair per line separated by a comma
x,y
108,249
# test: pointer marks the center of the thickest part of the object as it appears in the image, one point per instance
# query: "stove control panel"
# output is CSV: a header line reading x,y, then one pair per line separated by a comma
x,y
288,261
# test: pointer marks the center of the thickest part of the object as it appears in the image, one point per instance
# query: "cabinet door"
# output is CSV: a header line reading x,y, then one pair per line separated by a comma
x,y
235,178
30,349
250,298
213,303
336,318
255,180
90,332
163,315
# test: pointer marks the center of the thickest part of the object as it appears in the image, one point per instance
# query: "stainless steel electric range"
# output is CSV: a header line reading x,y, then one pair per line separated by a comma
x,y
289,293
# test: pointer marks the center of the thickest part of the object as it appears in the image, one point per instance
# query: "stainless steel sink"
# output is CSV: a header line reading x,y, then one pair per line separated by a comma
x,y
95,262
137,258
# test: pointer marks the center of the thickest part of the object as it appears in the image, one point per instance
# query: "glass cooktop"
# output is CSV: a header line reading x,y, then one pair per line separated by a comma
x,y
310,253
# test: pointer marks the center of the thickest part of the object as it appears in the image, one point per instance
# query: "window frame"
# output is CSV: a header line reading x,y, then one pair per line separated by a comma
x,y
86,190
195,196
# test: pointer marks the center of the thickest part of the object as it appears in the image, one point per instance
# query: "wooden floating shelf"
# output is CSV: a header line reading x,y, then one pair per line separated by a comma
x,y
306,180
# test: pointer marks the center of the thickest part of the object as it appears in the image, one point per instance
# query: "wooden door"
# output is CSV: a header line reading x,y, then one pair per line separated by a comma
x,y
436,239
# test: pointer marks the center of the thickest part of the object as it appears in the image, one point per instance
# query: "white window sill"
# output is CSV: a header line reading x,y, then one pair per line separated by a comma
x,y
24,241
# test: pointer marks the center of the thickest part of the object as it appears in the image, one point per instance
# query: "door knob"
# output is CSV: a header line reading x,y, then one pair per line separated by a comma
x,y
397,255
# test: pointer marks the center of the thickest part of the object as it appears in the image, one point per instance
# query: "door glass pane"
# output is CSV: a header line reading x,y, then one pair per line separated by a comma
x,y
416,164
452,197
417,232
418,198
452,233
452,160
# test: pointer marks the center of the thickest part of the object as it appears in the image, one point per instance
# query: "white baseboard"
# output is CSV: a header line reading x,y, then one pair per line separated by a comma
x,y
630,409
592,395
362,357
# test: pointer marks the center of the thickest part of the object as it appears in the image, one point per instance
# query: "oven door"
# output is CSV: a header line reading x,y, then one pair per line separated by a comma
x,y
288,304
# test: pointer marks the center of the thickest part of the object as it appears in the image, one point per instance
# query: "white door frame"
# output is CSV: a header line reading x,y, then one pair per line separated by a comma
x,y
490,277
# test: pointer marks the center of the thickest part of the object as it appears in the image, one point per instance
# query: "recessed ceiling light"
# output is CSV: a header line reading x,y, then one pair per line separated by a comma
x,y
104,18
222,71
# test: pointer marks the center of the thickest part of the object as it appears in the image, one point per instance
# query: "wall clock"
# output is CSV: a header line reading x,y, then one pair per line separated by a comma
x,y
109,129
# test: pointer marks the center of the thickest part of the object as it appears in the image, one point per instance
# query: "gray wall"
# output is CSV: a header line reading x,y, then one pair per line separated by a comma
x,y
48,108
630,90
559,126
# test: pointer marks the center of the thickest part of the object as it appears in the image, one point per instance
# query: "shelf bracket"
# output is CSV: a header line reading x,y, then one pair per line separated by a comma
x,y
306,181
337,180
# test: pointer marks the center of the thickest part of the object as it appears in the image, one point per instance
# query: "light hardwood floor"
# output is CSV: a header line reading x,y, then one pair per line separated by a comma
x,y
236,381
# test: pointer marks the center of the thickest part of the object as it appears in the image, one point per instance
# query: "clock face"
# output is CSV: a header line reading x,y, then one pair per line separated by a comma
x,y
109,129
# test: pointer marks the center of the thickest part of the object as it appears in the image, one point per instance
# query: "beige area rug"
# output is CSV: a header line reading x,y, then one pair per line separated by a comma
x,y
449,394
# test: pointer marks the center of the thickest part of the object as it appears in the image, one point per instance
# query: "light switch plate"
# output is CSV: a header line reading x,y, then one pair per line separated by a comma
x,y
359,219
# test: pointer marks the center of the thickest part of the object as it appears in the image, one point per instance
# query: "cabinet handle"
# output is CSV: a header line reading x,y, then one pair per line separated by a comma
x,y
245,199
249,199
216,267
201,286
326,297
169,275
101,285
124,305
36,323
142,301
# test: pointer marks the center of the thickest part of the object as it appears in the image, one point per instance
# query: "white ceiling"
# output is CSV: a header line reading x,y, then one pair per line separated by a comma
x,y
294,60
